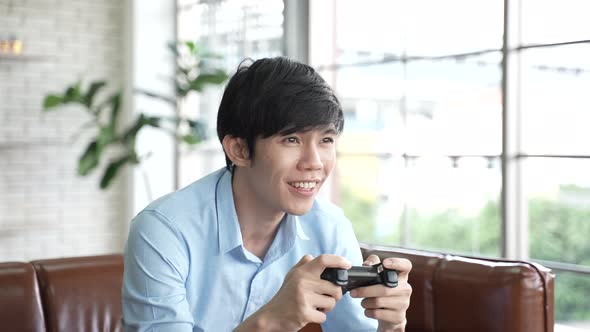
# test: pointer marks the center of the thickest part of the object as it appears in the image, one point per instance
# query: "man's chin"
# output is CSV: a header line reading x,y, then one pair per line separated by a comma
x,y
300,210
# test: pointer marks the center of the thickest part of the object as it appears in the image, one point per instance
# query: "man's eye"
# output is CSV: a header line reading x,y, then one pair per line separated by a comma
x,y
291,139
328,140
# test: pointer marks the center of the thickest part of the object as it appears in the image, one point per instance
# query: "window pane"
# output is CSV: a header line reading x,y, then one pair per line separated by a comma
x,y
398,111
430,203
452,205
234,29
418,27
379,81
558,195
454,107
551,21
436,108
572,303
554,100
360,193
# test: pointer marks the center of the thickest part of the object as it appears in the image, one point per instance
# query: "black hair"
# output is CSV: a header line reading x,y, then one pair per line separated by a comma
x,y
276,96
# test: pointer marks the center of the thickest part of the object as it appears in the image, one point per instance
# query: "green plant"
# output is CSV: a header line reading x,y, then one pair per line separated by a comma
x,y
195,70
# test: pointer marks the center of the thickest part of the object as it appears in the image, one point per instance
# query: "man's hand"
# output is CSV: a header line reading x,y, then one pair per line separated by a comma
x,y
387,305
303,298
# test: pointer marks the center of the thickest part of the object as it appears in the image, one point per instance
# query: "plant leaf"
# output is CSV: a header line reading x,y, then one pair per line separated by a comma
x,y
130,134
52,101
89,160
172,46
217,77
112,170
192,47
198,129
190,139
156,95
73,94
106,135
115,107
94,88
153,121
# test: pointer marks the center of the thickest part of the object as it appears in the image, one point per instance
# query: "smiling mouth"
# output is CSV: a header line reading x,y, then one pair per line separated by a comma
x,y
304,185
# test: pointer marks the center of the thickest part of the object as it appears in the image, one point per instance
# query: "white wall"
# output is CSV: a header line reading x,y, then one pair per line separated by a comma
x,y
46,210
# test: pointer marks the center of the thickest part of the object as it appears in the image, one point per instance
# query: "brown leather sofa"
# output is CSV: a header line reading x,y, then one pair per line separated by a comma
x,y
65,294
454,293
450,293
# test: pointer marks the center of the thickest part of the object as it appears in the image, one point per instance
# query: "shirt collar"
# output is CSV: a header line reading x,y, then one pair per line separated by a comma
x,y
229,233
298,228
289,230
228,228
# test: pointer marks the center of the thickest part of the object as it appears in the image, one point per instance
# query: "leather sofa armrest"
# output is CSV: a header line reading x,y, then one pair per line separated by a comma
x,y
457,293
492,295
81,293
20,302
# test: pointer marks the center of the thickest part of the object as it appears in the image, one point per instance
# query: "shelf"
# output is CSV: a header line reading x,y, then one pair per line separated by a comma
x,y
23,57
31,144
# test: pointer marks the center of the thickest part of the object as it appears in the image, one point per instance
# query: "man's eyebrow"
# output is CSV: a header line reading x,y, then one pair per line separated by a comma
x,y
329,130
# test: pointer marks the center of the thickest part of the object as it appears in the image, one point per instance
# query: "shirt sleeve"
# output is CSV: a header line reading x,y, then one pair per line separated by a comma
x,y
155,270
348,314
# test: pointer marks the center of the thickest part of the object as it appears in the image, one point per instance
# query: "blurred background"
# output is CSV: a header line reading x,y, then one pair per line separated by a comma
x,y
466,121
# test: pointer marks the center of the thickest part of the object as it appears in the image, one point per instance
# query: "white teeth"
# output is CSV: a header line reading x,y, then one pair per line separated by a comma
x,y
304,185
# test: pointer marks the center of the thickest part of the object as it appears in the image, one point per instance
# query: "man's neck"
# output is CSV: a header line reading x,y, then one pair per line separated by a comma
x,y
258,243
258,224
258,234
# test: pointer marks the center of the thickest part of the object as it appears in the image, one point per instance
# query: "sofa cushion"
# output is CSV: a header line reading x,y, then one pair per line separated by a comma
x,y
81,293
20,304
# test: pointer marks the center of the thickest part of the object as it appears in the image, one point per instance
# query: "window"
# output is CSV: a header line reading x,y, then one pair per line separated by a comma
x,y
233,29
429,123
554,153
434,104
420,156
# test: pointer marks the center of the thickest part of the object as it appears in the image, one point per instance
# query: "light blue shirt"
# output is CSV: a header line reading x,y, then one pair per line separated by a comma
x,y
186,268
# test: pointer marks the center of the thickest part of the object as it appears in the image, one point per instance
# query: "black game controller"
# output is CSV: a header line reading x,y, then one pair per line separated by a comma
x,y
361,276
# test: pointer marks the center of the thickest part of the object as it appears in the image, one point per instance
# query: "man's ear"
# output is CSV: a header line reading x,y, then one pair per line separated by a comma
x,y
236,150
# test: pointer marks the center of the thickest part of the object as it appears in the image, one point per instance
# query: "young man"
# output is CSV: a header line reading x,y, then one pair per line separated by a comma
x,y
243,248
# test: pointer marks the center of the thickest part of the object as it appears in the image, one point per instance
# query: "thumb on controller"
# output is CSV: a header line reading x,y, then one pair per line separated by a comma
x,y
371,260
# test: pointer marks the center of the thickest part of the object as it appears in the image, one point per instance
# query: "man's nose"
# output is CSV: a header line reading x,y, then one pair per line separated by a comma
x,y
311,159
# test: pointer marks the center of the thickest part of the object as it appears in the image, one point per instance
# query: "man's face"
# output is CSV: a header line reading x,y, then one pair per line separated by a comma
x,y
288,171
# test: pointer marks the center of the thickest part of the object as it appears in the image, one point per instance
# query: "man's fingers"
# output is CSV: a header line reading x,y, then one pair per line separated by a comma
x,y
316,316
391,316
324,302
401,265
385,302
371,260
329,289
320,263
303,260
402,290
